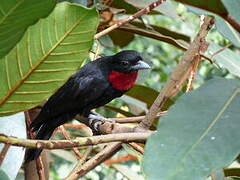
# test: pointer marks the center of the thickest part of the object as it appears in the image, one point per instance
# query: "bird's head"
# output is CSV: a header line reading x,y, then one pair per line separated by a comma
x,y
124,69
128,61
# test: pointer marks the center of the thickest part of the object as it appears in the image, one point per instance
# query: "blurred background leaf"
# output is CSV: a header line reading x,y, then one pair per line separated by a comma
x,y
227,59
13,126
3,175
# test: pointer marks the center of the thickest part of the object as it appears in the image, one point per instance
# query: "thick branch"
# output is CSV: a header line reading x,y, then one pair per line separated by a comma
x,y
130,18
78,142
179,75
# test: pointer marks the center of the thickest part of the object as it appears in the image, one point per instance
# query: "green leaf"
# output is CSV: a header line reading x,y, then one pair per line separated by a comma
x,y
132,151
232,172
232,178
232,7
121,38
118,110
127,172
163,31
218,175
143,93
227,31
3,175
227,59
179,43
47,55
121,4
222,26
106,41
16,16
147,95
215,6
13,126
166,7
198,134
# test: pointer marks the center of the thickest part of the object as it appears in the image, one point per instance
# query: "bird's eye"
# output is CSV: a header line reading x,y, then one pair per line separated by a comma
x,y
125,63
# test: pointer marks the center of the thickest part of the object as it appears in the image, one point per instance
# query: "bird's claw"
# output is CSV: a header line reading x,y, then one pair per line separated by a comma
x,y
95,120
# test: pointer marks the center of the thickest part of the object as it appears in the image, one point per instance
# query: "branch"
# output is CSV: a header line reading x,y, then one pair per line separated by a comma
x,y
65,134
4,152
179,75
74,173
78,142
130,18
137,147
100,157
135,119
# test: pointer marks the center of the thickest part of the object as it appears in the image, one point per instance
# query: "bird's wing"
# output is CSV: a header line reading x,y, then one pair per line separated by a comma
x,y
73,96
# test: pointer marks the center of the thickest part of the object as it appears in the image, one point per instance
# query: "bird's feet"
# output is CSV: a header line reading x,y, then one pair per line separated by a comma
x,y
95,120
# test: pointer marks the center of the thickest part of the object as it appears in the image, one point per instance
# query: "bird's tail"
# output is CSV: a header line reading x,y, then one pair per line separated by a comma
x,y
44,133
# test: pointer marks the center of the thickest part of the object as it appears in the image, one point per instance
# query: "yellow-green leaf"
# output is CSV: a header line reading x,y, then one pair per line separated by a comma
x,y
47,55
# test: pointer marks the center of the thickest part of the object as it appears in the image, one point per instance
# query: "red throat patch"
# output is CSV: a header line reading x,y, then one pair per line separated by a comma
x,y
122,81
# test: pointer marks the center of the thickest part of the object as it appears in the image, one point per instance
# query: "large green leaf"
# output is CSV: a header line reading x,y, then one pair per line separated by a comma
x,y
166,7
47,55
232,7
222,26
147,95
121,38
171,38
227,31
163,31
128,7
227,59
16,16
3,175
215,6
198,134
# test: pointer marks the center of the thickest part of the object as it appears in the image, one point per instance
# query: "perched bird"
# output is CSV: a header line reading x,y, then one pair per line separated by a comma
x,y
94,85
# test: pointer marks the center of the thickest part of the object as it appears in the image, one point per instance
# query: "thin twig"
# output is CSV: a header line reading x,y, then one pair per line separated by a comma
x,y
137,147
100,157
65,134
130,18
179,75
74,173
96,55
135,119
4,152
220,50
125,158
78,142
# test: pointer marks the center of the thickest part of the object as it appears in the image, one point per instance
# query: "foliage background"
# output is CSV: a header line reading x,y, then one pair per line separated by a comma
x,y
163,57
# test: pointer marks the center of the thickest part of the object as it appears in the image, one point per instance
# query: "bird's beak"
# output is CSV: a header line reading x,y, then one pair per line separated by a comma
x,y
140,65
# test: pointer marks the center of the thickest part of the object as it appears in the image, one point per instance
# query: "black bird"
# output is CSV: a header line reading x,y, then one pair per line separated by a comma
x,y
94,85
